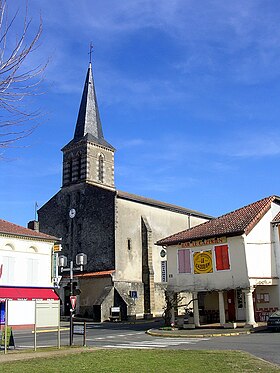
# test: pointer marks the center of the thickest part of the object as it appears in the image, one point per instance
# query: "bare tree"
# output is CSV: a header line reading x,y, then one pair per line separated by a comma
x,y
172,301
17,80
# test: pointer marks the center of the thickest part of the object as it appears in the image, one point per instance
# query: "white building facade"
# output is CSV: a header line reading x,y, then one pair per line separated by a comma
x,y
26,267
230,265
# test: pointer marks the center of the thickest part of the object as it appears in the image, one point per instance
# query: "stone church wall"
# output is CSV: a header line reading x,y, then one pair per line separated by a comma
x,y
91,231
129,249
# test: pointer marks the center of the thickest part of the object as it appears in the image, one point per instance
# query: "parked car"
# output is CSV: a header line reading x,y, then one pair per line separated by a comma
x,y
273,322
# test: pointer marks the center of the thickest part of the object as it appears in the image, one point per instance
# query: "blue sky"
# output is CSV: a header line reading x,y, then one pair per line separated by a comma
x,y
188,93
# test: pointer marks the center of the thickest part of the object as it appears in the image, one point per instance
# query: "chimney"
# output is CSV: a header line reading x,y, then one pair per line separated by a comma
x,y
34,225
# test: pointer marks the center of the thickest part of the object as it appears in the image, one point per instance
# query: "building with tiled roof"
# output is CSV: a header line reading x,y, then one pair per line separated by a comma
x,y
230,264
117,230
234,223
26,271
11,229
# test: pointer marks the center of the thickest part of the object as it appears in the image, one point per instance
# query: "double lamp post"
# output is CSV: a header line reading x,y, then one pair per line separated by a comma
x,y
81,261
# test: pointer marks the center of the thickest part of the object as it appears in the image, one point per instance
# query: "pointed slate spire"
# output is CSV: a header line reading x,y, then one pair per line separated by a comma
x,y
88,122
88,118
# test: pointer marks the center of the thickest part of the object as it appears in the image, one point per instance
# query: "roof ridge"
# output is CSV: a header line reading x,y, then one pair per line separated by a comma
x,y
25,231
123,194
238,221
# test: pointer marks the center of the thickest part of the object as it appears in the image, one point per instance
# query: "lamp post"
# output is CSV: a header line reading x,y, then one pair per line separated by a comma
x,y
81,261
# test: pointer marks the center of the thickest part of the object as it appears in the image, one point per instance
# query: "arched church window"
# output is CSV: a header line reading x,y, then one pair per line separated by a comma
x,y
79,167
101,168
70,165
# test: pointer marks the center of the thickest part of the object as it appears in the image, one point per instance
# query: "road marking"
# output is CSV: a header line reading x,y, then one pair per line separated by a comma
x,y
156,343
114,336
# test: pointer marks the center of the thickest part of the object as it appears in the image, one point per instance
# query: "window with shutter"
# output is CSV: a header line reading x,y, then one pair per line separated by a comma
x,y
222,257
184,261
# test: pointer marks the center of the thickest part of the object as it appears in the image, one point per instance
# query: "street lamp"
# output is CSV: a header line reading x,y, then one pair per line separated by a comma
x,y
81,261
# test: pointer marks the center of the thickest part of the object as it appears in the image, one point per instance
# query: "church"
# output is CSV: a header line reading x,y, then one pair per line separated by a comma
x,y
117,230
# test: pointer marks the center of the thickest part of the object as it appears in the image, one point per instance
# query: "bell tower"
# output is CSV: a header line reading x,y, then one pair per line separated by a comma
x,y
88,157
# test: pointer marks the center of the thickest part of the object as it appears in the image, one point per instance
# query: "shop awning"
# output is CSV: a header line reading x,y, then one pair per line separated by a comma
x,y
19,293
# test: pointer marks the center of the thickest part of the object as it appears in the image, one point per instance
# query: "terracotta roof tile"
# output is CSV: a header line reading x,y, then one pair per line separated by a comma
x,y
277,218
17,230
96,274
236,222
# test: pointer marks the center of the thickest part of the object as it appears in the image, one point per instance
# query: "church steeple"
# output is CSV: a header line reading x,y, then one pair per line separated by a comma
x,y
88,157
88,122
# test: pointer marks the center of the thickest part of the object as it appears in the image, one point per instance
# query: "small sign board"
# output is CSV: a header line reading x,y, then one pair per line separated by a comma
x,y
57,248
133,294
2,313
80,329
9,338
73,300
115,314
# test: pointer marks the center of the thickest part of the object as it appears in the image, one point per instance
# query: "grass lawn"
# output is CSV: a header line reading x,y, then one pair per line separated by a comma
x,y
143,361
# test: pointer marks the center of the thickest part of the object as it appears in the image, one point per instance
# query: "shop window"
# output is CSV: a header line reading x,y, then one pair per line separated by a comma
x,y
184,261
222,257
262,297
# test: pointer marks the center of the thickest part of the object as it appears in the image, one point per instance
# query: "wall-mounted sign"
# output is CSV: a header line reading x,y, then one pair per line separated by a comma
x,y
57,247
204,242
133,294
203,262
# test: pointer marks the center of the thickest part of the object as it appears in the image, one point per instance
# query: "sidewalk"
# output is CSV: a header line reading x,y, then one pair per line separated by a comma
x,y
211,330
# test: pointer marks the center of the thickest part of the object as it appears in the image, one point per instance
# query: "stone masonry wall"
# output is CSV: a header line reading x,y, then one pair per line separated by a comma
x,y
91,231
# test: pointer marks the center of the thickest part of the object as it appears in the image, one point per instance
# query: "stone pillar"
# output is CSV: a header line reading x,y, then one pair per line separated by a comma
x,y
250,317
222,308
195,310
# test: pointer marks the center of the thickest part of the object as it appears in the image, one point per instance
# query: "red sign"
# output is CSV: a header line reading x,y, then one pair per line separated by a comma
x,y
73,300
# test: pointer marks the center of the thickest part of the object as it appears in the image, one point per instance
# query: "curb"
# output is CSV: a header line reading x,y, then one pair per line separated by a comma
x,y
204,335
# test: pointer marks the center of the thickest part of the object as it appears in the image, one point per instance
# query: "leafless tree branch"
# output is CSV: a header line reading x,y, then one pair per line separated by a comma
x,y
16,82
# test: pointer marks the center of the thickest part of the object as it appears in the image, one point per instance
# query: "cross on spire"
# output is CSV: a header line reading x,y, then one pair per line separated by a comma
x,y
90,51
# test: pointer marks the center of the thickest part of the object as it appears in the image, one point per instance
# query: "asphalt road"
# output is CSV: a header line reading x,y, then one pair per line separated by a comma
x,y
265,345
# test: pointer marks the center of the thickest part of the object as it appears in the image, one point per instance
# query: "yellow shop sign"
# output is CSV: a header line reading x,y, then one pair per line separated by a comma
x,y
203,262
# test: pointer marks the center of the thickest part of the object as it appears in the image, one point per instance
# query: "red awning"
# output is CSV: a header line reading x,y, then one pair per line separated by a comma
x,y
27,293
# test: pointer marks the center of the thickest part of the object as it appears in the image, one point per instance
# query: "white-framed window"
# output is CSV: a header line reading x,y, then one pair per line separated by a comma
x,y
8,270
32,271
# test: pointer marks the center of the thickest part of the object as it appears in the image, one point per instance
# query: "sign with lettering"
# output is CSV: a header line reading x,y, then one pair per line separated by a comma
x,y
57,247
2,313
203,262
9,338
204,242
79,329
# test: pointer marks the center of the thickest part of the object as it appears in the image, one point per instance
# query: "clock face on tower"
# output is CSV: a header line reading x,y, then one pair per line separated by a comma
x,y
72,213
